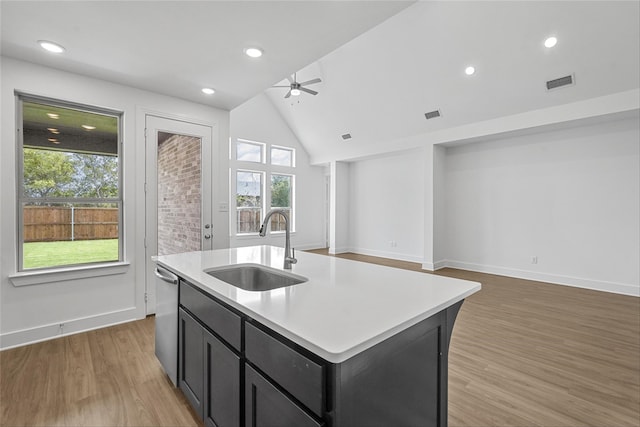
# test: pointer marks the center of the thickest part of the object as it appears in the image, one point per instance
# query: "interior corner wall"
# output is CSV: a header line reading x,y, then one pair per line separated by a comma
x,y
36,312
339,207
439,232
258,120
386,215
560,206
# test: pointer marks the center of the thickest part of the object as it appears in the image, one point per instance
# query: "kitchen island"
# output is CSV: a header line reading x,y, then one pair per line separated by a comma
x,y
356,344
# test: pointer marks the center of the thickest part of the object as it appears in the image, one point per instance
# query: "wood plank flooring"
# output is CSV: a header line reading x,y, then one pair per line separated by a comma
x,y
523,353
107,377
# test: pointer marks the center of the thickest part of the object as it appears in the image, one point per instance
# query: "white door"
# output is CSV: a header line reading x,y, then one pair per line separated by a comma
x,y
179,187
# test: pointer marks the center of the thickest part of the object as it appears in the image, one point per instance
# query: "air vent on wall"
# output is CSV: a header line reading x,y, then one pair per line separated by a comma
x,y
346,136
562,81
432,114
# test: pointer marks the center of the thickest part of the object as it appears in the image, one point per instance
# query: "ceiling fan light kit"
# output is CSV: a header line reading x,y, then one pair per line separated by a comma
x,y
296,88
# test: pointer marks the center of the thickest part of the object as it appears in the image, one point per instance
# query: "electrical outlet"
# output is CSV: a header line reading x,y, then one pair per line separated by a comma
x,y
534,259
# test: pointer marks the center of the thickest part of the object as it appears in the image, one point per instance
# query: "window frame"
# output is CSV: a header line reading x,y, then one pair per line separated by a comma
x,y
267,169
21,199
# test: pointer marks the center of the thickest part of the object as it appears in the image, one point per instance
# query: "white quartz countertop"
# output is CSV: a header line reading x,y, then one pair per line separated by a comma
x,y
344,308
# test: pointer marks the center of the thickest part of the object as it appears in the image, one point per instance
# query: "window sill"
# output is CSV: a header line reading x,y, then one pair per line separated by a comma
x,y
256,236
26,278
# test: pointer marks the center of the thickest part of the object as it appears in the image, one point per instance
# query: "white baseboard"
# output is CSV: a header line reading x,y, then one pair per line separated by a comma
x,y
434,266
617,288
384,254
310,246
47,332
339,250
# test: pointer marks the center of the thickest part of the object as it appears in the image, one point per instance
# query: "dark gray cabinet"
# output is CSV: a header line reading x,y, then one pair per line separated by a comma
x,y
221,384
236,372
266,406
209,370
190,362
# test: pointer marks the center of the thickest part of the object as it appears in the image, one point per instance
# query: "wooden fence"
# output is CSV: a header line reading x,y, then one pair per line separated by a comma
x,y
250,219
54,223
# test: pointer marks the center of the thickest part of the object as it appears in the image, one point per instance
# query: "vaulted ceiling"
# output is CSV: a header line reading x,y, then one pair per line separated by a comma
x,y
378,87
383,64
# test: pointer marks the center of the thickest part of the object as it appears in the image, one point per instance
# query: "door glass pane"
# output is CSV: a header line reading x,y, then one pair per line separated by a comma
x,y
179,193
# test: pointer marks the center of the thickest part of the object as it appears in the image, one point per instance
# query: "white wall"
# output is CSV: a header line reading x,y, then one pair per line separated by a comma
x,y
258,120
569,197
386,199
35,312
339,207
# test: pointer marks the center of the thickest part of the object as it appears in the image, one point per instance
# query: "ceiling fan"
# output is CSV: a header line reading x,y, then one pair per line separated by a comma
x,y
295,88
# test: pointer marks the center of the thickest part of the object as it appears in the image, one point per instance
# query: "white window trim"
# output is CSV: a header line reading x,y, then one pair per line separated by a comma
x,y
61,274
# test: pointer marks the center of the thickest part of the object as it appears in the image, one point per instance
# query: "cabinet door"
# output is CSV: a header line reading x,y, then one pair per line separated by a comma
x,y
221,384
191,367
266,406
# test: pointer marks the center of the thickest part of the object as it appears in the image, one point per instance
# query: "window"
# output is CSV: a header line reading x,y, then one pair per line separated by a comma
x,y
282,156
248,201
248,151
69,186
262,182
281,186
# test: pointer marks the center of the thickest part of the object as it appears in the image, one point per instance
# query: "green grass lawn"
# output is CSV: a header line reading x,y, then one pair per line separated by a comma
x,y
52,254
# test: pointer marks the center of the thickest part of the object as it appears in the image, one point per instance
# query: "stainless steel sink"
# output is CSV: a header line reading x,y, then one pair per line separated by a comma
x,y
255,277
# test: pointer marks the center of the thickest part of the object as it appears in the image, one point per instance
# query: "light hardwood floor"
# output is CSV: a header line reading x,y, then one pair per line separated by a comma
x,y
523,353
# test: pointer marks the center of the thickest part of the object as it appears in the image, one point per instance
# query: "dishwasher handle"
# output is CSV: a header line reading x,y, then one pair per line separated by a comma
x,y
166,275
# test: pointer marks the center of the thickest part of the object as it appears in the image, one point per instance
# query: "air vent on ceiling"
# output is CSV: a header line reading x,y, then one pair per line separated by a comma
x,y
346,136
432,114
562,81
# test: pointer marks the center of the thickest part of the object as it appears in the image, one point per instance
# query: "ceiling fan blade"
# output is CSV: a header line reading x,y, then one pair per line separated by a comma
x,y
288,94
310,82
312,92
291,79
282,86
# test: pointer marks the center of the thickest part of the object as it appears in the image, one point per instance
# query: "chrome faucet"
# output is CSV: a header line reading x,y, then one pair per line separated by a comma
x,y
289,257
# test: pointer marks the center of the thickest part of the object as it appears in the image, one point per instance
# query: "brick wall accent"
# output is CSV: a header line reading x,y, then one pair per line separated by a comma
x,y
179,195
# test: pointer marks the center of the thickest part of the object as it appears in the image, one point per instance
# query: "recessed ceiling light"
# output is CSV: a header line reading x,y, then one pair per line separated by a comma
x,y
208,91
469,70
550,42
295,92
53,115
87,127
51,46
253,52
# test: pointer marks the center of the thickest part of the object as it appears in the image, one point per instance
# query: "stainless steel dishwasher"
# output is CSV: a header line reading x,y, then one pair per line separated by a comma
x,y
167,322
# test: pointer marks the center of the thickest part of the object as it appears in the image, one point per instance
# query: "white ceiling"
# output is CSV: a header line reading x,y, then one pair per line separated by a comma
x,y
378,86
179,47
383,63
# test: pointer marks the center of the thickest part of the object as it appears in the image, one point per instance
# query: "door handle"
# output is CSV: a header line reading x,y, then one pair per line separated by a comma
x,y
207,236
